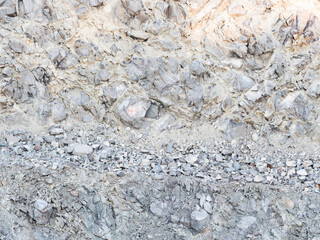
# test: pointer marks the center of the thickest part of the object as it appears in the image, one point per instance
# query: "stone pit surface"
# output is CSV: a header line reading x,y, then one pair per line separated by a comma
x,y
144,119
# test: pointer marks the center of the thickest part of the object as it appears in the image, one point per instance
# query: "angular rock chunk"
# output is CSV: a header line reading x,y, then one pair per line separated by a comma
x,y
164,122
8,8
243,82
153,111
137,69
79,149
133,110
246,222
138,35
41,75
131,13
34,9
176,12
194,92
102,76
297,104
58,111
16,46
196,68
82,48
155,210
96,3
26,89
112,93
199,220
61,57
41,211
314,89
238,50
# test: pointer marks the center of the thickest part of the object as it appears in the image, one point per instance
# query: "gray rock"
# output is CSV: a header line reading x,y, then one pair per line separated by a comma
x,y
58,111
83,49
41,212
246,222
77,97
56,131
153,111
11,140
264,44
169,148
219,158
194,92
199,220
49,139
207,206
197,68
120,174
137,69
38,140
253,96
157,169
314,89
34,9
61,57
16,46
176,12
301,60
133,110
297,104
7,71
67,62
26,89
41,75
113,92
243,82
156,210
164,122
238,50
102,76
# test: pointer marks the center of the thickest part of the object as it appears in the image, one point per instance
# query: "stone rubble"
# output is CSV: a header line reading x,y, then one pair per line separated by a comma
x,y
221,189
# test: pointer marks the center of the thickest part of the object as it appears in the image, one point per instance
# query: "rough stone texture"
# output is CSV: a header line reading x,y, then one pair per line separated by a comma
x,y
169,52
153,87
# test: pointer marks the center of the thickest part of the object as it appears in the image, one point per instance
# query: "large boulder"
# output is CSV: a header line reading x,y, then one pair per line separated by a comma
x,y
132,110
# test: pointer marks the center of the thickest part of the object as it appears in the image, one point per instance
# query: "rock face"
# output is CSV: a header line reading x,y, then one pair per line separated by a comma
x,y
163,52
138,70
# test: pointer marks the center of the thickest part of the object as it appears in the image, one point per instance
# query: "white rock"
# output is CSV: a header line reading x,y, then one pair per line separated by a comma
x,y
255,137
302,172
258,179
291,163
79,149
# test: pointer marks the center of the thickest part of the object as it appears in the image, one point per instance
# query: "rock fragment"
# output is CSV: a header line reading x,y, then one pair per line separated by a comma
x,y
133,110
41,211
199,220
79,149
16,46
